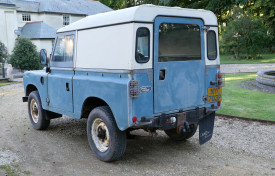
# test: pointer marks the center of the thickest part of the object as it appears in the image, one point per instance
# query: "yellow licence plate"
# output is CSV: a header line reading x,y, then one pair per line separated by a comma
x,y
214,94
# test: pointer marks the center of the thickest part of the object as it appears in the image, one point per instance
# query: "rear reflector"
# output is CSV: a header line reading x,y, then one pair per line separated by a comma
x,y
134,119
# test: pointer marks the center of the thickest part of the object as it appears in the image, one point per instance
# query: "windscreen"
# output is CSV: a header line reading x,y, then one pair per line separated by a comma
x,y
179,42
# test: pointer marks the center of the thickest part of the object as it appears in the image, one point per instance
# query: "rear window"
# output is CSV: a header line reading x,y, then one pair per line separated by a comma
x,y
211,45
179,42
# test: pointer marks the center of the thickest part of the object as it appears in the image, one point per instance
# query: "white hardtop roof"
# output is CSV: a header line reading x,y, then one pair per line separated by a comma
x,y
142,13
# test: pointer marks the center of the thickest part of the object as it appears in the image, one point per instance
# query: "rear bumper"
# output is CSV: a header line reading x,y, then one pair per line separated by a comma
x,y
175,120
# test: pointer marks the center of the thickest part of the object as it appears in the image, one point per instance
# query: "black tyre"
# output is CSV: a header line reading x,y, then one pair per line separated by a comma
x,y
105,139
37,114
172,133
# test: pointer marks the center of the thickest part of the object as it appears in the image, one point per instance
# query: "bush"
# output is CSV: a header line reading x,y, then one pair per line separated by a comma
x,y
24,55
244,35
3,52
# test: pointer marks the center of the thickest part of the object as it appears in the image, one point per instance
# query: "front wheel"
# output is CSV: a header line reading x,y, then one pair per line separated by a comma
x,y
105,139
37,114
172,133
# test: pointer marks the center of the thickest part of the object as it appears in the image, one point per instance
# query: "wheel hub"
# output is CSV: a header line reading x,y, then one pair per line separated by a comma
x,y
34,111
100,135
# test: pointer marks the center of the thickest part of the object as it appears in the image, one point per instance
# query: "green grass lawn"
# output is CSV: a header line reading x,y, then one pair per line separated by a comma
x,y
241,102
7,83
267,58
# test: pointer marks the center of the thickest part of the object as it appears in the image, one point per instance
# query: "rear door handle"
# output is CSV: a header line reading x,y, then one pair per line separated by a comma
x,y
67,86
162,74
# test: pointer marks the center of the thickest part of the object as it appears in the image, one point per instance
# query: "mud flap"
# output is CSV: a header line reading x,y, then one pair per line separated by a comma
x,y
206,126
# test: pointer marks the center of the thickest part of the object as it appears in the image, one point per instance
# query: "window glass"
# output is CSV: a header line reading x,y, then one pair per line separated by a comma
x,y
64,49
66,20
179,42
143,45
26,17
211,45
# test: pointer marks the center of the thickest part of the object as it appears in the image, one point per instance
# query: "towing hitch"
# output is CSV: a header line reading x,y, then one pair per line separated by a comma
x,y
186,128
182,125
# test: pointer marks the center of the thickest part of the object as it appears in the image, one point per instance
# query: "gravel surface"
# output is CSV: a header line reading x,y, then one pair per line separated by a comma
x,y
237,148
242,68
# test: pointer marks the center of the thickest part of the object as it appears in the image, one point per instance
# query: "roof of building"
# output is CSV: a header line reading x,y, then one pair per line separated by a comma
x,y
142,13
79,7
38,30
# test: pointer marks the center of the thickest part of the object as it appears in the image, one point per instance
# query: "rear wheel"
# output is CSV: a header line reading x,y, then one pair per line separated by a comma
x,y
37,114
172,133
105,139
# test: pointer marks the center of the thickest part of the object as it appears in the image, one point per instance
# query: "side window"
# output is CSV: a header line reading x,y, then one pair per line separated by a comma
x,y
211,45
64,51
143,45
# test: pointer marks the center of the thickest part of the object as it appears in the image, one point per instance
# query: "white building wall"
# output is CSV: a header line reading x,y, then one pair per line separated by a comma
x,y
43,44
8,24
51,19
21,23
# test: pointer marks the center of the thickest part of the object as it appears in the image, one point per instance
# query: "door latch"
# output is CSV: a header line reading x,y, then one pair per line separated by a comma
x,y
67,86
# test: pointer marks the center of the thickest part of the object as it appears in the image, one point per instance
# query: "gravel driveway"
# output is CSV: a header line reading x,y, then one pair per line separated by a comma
x,y
242,68
237,148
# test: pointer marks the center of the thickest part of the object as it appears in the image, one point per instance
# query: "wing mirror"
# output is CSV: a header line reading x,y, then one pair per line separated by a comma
x,y
43,57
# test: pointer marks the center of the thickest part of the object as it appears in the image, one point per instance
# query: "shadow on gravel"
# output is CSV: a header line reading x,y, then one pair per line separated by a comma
x,y
142,147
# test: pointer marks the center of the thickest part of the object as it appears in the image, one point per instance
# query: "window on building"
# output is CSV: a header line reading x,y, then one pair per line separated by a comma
x,y
66,20
26,17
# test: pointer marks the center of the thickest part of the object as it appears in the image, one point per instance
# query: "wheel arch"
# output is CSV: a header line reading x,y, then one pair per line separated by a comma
x,y
30,88
90,103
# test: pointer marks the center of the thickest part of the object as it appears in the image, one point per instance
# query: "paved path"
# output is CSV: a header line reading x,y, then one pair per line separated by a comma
x,y
240,68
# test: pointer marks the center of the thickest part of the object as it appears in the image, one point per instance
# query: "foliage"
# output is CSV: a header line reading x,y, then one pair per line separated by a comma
x,y
229,59
3,52
237,101
24,55
244,34
265,9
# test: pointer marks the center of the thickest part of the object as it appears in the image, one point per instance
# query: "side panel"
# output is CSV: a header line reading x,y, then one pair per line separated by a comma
x,y
107,47
110,87
142,106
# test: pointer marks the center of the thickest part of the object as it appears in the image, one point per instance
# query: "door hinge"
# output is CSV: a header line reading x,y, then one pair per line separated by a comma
x,y
205,28
48,100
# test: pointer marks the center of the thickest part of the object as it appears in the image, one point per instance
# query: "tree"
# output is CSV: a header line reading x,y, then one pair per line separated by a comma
x,y
24,55
3,57
244,34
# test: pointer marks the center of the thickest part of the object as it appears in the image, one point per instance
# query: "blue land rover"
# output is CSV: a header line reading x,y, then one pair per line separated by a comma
x,y
146,67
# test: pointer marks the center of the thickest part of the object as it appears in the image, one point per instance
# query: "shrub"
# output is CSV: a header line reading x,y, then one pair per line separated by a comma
x,y
24,55
3,57
244,35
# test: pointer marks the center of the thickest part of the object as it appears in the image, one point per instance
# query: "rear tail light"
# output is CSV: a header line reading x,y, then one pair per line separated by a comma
x,y
134,88
220,79
219,103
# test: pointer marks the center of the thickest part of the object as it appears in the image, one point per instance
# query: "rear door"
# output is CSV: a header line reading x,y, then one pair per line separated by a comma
x,y
179,66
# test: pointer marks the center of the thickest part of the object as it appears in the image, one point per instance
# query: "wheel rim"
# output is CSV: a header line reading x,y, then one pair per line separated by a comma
x,y
100,135
34,111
